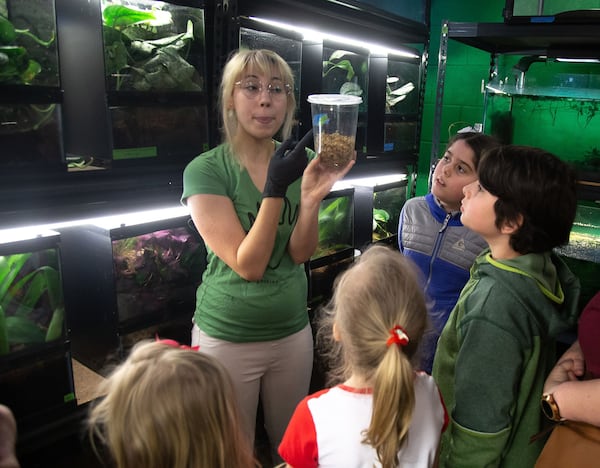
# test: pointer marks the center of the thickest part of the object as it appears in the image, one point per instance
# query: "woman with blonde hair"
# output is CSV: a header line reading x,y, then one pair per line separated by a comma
x,y
384,413
255,202
167,406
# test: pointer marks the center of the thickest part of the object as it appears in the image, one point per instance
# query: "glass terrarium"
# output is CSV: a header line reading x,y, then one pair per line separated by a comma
x,y
31,136
547,104
147,267
584,241
32,310
164,133
152,46
402,105
28,43
388,200
34,350
335,223
582,253
335,250
157,273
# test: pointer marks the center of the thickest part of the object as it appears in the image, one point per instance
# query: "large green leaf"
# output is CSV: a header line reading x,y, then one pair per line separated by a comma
x,y
10,267
23,331
119,17
33,286
55,328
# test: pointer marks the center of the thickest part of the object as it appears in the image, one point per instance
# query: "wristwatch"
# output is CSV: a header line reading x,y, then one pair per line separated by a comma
x,y
550,408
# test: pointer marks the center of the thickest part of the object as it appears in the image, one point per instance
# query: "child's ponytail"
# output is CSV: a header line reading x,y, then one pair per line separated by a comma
x,y
393,401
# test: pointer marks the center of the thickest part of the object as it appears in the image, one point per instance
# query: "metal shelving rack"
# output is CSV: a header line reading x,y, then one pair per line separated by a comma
x,y
574,39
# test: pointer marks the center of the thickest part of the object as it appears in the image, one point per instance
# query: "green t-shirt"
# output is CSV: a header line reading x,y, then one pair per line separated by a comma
x,y
229,307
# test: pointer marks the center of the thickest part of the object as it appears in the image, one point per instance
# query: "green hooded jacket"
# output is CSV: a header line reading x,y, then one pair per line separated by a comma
x,y
494,354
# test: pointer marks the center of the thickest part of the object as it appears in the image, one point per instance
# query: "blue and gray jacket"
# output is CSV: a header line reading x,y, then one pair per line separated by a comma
x,y
444,251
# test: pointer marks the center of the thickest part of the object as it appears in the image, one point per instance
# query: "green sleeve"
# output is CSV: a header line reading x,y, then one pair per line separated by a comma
x,y
487,379
472,449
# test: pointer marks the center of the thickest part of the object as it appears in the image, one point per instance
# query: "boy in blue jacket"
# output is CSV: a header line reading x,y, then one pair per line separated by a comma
x,y
431,234
498,345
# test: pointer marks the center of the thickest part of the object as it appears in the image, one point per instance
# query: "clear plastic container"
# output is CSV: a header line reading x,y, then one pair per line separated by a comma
x,y
334,117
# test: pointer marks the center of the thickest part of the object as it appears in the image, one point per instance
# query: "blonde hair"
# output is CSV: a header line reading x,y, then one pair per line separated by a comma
x,y
261,61
167,407
379,291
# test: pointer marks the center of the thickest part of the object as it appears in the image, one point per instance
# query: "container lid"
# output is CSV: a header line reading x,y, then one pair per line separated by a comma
x,y
335,99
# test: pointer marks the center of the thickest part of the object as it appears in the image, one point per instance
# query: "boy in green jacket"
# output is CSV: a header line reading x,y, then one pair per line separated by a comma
x,y
498,345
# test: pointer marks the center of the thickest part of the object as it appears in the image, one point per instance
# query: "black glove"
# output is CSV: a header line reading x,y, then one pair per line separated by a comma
x,y
286,166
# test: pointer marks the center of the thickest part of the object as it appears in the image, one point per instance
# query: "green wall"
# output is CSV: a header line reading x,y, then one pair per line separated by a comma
x,y
466,68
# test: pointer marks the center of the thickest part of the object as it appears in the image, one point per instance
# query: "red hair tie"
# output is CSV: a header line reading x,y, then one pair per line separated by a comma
x,y
397,336
175,344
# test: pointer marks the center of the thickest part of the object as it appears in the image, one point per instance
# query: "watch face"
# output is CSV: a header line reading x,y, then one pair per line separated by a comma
x,y
550,408
547,409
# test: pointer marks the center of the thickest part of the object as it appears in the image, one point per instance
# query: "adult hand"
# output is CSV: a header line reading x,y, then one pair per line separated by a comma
x,y
569,367
318,180
286,166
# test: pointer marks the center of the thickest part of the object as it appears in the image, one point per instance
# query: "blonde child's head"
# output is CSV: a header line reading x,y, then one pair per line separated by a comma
x,y
168,407
377,316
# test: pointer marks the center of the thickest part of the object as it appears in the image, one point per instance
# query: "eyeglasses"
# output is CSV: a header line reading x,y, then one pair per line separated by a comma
x,y
252,88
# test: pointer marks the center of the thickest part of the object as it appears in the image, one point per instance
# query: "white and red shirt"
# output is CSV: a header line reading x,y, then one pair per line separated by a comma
x,y
327,427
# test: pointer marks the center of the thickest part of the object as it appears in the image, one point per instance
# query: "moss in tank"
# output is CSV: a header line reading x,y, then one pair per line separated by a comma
x,y
564,126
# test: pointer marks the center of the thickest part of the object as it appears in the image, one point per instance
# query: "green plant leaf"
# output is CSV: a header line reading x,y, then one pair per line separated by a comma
x,y
55,328
23,331
120,17
351,88
7,31
33,285
381,215
10,267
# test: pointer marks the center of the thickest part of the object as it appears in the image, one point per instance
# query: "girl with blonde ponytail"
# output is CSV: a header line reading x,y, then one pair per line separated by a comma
x,y
380,411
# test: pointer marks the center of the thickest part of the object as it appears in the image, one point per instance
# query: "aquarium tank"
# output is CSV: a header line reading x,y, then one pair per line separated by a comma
x,y
548,104
401,105
582,253
30,115
157,273
387,205
166,133
32,311
336,223
335,250
28,48
155,66
31,137
152,46
34,350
